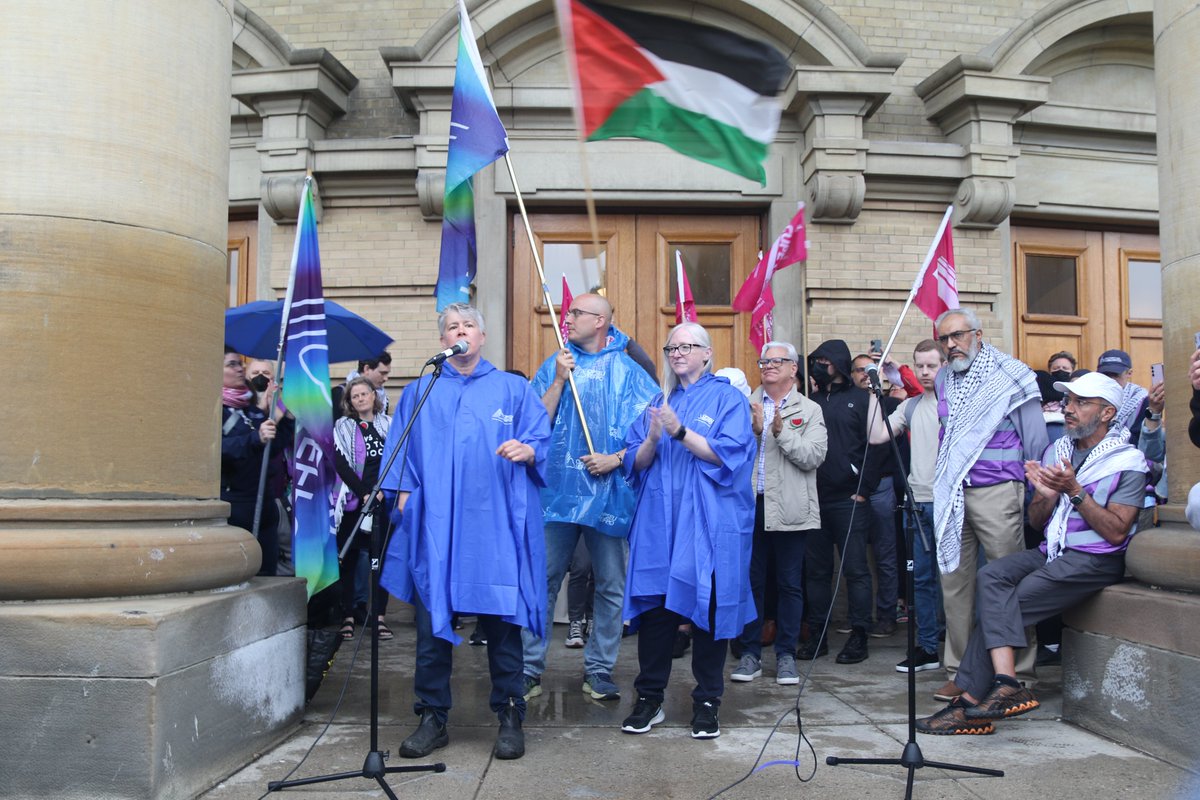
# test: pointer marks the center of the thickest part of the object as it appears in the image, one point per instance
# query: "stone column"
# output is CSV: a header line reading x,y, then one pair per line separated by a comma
x,y
113,225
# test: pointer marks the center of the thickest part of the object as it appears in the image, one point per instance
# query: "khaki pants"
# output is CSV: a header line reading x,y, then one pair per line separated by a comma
x,y
994,518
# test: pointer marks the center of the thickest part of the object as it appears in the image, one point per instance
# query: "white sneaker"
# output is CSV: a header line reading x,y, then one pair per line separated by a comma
x,y
575,634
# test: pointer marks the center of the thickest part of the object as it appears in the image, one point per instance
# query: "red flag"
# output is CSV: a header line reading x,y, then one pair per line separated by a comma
x,y
567,299
685,306
937,287
755,295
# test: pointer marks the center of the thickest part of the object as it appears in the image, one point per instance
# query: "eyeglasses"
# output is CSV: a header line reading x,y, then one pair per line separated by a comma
x,y
858,369
763,363
575,312
683,349
233,364
958,337
1071,400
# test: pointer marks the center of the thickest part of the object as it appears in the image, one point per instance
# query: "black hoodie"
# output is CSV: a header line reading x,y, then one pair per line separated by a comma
x,y
845,407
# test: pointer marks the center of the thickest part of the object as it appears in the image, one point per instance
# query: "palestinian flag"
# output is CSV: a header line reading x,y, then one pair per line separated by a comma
x,y
704,92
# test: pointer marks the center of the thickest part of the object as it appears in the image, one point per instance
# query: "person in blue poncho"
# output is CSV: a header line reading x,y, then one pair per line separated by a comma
x,y
468,537
691,455
586,494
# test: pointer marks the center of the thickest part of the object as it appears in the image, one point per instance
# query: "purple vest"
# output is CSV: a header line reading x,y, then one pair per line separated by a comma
x,y
1080,535
1002,459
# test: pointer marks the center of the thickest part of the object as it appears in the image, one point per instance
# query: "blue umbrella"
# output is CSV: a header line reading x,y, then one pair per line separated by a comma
x,y
253,330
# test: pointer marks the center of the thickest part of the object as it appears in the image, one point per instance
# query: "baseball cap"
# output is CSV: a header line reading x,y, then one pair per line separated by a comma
x,y
1093,384
735,377
1114,362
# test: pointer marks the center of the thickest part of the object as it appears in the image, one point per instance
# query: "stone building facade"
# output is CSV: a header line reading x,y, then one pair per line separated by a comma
x,y
1036,119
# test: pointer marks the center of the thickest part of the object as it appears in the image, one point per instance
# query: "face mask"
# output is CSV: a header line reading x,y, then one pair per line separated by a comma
x,y
259,383
1061,375
823,378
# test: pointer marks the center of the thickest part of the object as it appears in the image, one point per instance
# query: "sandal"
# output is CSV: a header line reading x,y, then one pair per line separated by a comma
x,y
385,633
347,629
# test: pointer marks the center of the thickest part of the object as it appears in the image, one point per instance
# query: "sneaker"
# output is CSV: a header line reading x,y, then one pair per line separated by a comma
x,y
901,612
600,686
1047,657
809,650
510,740
785,671
477,638
429,736
747,670
855,649
952,720
704,721
883,628
575,634
646,714
533,687
949,691
843,627
1003,701
922,660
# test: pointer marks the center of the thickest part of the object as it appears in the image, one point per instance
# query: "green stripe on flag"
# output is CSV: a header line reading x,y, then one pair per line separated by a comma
x,y
646,115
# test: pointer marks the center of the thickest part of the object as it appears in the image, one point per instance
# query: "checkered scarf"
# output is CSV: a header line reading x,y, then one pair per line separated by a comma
x,y
1112,455
977,401
1131,402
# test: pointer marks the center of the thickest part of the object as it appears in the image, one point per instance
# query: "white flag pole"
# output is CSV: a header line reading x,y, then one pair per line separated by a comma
x,y
917,282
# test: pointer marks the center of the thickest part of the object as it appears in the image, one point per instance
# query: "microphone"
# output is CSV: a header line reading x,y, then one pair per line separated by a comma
x,y
457,349
873,375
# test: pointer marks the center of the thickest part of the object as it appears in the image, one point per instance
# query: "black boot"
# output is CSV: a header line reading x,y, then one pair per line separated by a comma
x,y
855,649
510,741
429,736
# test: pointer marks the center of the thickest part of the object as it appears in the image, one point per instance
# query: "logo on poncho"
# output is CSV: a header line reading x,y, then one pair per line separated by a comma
x,y
502,418
706,419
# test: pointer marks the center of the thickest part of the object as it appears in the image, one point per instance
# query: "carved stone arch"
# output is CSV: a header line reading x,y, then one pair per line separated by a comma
x,y
255,43
1022,49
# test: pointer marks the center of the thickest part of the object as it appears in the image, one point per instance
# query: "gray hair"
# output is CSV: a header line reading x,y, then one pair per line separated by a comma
x,y
463,310
669,379
966,313
788,346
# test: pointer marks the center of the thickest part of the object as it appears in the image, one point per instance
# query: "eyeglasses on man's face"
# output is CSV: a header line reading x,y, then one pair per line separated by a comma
x,y
575,312
958,337
763,363
1072,400
682,349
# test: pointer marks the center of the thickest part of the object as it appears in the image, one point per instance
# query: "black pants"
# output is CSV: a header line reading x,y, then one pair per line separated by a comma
x,y
656,639
241,515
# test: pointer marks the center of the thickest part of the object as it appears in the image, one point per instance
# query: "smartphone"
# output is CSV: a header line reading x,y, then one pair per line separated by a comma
x,y
877,344
1156,374
1198,340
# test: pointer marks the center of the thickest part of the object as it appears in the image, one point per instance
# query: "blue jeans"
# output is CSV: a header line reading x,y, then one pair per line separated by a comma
x,y
788,547
927,590
883,544
431,681
836,531
609,557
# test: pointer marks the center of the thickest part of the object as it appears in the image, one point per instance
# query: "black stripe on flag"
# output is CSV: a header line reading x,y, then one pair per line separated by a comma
x,y
756,65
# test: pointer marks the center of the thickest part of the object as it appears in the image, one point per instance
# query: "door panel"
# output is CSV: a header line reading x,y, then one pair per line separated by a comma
x,y
636,271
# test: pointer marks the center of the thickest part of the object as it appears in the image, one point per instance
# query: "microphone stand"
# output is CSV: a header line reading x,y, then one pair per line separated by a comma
x,y
911,758
373,765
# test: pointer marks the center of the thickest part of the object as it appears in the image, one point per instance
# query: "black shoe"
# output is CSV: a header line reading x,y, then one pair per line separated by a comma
x,y
1047,657
924,660
683,640
429,736
477,638
855,649
809,650
704,721
646,714
510,741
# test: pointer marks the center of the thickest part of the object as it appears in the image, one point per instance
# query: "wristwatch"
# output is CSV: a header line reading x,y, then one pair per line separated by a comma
x,y
1153,416
1077,500
679,434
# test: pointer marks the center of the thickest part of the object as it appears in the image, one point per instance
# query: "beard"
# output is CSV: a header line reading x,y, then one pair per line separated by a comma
x,y
1083,431
964,363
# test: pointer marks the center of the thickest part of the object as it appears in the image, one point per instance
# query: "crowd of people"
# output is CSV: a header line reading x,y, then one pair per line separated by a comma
x,y
699,514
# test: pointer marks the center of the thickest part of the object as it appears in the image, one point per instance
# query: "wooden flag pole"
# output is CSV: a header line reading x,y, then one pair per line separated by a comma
x,y
537,260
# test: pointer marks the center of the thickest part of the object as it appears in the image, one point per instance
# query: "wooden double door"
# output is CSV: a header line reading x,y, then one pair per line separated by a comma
x,y
635,269
1087,291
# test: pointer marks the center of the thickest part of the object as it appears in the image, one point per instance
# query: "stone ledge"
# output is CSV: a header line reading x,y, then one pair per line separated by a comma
x,y
1138,613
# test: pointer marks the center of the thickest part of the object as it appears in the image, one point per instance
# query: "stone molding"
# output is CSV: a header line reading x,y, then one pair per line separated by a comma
x,y
977,111
831,105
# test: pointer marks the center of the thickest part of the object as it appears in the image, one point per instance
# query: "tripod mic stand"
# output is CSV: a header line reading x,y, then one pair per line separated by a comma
x,y
373,765
911,758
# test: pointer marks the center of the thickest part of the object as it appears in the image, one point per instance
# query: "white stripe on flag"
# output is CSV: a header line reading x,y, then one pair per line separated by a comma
x,y
312,301
717,97
306,319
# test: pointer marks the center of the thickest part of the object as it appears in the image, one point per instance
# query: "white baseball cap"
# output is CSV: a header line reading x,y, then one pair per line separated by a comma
x,y
1093,384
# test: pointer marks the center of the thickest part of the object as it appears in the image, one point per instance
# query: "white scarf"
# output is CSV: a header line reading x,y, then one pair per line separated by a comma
x,y
1112,455
977,401
1131,402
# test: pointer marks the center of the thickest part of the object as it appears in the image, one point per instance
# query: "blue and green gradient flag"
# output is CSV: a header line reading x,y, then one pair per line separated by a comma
x,y
477,138
306,395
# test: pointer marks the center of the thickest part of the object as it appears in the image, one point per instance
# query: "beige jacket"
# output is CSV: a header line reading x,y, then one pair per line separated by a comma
x,y
790,467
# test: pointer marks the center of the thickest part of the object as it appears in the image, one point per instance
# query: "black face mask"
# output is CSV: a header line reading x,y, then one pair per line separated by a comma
x,y
821,376
259,383
1061,375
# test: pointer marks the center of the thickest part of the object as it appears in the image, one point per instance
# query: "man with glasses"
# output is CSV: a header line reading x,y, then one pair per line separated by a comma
x,y
792,441
991,413
586,495
1087,492
845,479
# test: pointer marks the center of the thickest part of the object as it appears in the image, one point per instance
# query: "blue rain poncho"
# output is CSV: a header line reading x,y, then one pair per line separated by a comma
x,y
614,391
470,539
694,521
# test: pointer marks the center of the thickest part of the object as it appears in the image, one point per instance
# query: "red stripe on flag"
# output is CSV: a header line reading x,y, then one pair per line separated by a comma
x,y
567,299
610,66
938,292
